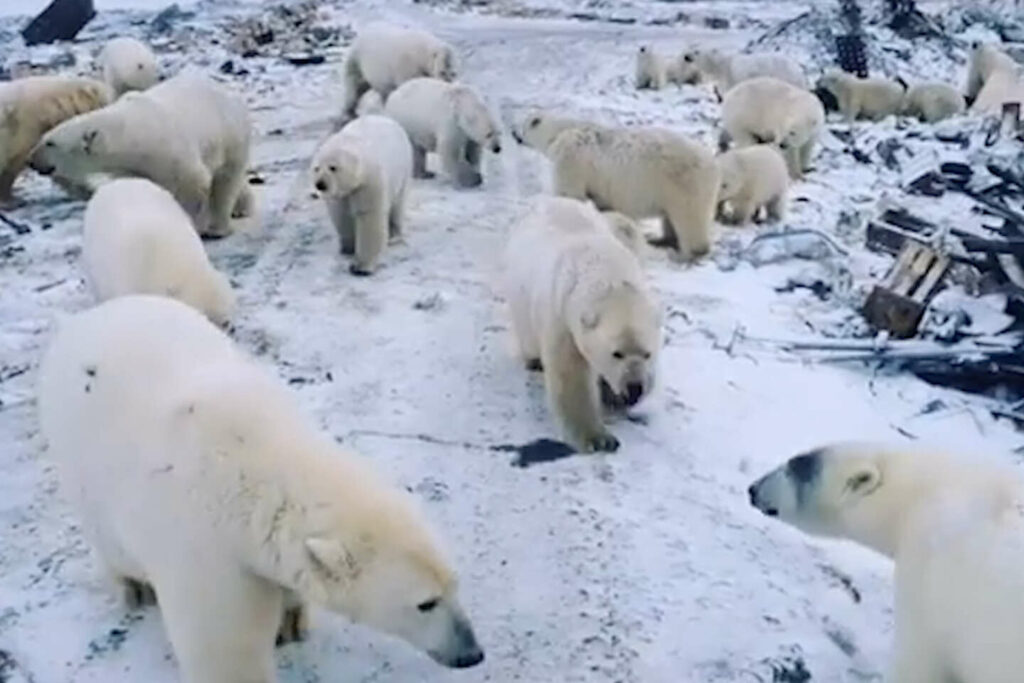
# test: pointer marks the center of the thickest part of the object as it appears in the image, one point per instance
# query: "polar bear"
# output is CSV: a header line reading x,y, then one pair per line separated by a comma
x,y
861,98
30,107
363,172
640,172
728,70
385,56
228,503
582,311
448,118
655,71
954,527
770,111
932,102
986,61
138,240
187,134
752,178
128,64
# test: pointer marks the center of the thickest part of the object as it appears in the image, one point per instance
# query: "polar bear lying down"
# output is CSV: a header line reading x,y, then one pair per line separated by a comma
x,y
955,528
227,502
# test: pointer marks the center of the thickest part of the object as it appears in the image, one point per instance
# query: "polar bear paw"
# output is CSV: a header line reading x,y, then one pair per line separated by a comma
x,y
138,594
294,626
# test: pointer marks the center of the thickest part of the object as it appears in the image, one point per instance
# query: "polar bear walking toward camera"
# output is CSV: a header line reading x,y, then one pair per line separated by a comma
x,y
128,64
450,119
955,528
770,111
138,240
31,107
363,172
228,504
862,98
640,172
581,310
933,102
729,70
753,178
189,135
385,56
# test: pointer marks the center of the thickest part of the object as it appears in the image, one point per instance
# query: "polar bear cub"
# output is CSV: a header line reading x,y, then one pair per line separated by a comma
x,y
770,111
188,134
228,502
728,70
384,56
954,527
138,240
861,98
448,118
932,102
655,71
363,172
30,107
581,310
753,178
128,64
640,172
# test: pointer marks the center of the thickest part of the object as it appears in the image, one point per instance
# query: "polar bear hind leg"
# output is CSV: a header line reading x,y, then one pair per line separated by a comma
x,y
294,621
573,394
355,87
688,217
776,208
340,211
524,332
396,216
225,191
419,163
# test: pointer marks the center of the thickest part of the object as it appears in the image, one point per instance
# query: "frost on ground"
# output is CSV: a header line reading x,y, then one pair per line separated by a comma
x,y
643,566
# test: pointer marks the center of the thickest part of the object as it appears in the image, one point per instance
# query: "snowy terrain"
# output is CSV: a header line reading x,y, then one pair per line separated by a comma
x,y
646,566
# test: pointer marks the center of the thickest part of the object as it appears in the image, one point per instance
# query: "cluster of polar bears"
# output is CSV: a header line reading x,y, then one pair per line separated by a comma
x,y
235,514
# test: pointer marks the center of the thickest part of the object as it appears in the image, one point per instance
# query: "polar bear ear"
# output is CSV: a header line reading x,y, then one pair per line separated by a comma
x,y
863,481
331,559
590,319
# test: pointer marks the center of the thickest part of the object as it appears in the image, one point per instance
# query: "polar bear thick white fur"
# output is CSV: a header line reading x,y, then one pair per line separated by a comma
x,y
138,240
449,118
363,173
770,111
188,134
862,98
753,178
986,61
228,503
582,311
955,528
640,172
385,56
30,107
128,64
932,102
728,70
655,71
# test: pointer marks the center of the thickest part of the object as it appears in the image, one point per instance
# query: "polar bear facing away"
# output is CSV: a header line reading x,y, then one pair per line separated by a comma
x,y
932,102
581,310
30,107
363,172
728,70
128,64
862,98
640,172
228,504
450,119
770,111
138,240
384,56
753,178
955,528
188,135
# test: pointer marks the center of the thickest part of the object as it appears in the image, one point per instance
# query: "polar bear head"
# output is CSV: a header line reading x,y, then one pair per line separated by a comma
x,y
337,172
733,177
619,333
539,129
690,67
442,63
474,119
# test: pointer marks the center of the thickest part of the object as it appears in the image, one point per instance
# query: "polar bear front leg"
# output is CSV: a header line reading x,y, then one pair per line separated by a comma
x,y
344,223
451,147
371,229
294,621
419,163
572,392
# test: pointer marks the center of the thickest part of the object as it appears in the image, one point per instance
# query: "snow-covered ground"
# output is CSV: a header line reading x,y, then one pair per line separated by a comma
x,y
646,566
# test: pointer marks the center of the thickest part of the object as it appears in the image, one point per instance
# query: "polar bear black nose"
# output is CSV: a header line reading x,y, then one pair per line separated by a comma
x,y
752,493
321,186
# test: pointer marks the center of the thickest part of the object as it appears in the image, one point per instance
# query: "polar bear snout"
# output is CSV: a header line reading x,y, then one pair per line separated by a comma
x,y
321,185
463,650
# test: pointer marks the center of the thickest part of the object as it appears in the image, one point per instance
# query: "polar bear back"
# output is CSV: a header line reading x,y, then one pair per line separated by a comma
x,y
743,67
767,109
389,55
128,64
42,102
420,105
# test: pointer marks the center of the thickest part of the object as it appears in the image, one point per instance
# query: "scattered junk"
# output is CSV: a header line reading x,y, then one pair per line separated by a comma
x,y
299,34
61,20
898,303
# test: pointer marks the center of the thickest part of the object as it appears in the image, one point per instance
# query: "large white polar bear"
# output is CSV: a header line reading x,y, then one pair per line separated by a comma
x,y
989,66
227,501
954,526
189,135
363,172
861,98
770,111
582,311
128,64
138,240
753,178
728,70
449,118
932,102
640,172
384,56
30,107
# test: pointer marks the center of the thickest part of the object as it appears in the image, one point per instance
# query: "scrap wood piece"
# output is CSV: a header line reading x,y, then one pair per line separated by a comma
x,y
898,303
61,20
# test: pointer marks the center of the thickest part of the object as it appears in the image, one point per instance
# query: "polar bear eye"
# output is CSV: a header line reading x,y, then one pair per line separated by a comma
x,y
687,58
332,169
618,355
534,123
429,605
646,355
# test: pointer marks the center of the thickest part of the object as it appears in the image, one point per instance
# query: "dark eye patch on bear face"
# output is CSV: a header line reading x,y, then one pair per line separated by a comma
x,y
804,468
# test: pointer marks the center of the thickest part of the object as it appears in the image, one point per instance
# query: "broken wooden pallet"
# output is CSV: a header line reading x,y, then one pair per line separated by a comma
x,y
898,303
